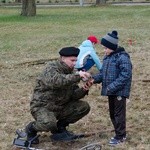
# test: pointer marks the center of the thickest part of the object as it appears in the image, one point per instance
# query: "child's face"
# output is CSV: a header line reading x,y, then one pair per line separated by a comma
x,y
107,50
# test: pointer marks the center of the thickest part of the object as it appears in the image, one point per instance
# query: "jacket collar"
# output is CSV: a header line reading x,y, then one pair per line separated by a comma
x,y
64,67
118,50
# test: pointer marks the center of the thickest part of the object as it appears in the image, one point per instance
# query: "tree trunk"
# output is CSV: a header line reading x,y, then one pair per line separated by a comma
x,y
28,8
99,2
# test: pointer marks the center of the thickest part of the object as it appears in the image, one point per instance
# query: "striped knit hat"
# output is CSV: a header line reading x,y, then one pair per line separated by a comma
x,y
110,40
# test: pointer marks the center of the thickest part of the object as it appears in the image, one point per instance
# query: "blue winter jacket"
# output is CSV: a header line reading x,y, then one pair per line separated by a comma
x,y
116,74
87,51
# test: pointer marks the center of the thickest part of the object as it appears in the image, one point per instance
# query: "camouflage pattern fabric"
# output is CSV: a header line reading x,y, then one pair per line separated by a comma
x,y
47,120
57,96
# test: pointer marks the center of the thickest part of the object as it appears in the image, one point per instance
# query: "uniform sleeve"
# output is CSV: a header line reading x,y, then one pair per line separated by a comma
x,y
78,93
53,78
125,74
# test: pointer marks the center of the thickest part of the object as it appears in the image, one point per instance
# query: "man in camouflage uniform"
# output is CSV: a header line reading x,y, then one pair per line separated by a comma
x,y
56,99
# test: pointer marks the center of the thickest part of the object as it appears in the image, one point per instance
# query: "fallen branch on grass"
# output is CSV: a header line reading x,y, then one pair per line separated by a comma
x,y
146,80
96,133
36,62
142,80
101,132
43,61
27,63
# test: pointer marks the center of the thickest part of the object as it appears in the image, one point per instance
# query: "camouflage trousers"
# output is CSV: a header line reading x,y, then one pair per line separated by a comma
x,y
46,120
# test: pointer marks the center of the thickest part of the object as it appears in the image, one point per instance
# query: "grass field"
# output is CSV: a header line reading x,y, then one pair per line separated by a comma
x,y
25,41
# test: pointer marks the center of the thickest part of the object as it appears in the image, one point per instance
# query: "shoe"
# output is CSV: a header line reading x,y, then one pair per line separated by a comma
x,y
31,134
64,136
124,138
115,137
114,141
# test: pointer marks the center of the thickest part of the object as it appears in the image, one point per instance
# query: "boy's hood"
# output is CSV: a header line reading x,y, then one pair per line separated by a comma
x,y
120,50
87,43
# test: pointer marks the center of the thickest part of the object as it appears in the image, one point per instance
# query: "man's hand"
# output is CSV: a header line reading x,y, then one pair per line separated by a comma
x,y
88,84
84,75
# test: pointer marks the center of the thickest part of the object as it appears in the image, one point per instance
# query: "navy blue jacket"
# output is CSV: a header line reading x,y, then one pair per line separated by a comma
x,y
116,74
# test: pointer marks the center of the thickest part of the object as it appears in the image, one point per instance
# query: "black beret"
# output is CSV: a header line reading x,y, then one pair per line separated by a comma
x,y
69,51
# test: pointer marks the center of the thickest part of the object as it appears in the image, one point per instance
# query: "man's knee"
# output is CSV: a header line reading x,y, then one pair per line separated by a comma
x,y
46,126
84,108
45,120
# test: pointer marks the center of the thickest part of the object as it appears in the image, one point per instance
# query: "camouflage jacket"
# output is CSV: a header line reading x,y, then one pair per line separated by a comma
x,y
56,86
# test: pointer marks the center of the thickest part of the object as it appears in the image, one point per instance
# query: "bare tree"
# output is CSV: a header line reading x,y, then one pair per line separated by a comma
x,y
28,8
99,2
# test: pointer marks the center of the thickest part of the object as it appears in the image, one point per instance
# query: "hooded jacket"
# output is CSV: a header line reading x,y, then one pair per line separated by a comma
x,y
87,51
116,74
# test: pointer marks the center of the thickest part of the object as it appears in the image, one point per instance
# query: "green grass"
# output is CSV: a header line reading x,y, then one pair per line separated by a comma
x,y
54,28
25,39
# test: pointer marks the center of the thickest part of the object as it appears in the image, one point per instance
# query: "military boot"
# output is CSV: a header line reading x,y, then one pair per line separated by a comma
x,y
63,134
31,133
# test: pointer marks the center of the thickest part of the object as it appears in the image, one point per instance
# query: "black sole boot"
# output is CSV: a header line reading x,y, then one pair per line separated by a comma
x,y
62,133
31,133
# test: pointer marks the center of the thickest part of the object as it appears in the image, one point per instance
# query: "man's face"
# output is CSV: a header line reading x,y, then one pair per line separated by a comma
x,y
70,61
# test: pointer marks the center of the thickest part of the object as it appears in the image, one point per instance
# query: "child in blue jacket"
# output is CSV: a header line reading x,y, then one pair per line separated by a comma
x,y
87,56
116,77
